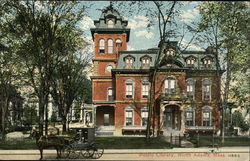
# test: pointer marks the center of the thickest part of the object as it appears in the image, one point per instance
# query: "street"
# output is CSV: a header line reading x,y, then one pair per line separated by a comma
x,y
177,154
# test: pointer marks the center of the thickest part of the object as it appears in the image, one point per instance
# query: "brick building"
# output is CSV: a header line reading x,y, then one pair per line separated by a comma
x,y
187,87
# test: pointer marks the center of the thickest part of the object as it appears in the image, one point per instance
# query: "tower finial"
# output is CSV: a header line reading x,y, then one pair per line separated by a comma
x,y
111,4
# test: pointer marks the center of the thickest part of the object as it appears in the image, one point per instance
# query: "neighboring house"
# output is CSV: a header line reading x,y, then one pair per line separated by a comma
x,y
187,85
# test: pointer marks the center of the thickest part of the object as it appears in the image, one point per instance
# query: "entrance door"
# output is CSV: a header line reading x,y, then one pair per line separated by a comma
x,y
172,117
168,116
106,120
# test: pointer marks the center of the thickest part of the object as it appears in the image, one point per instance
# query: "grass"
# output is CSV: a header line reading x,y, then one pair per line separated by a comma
x,y
106,142
18,144
132,143
206,141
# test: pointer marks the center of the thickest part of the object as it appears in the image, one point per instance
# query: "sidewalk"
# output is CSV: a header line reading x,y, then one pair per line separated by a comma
x,y
175,154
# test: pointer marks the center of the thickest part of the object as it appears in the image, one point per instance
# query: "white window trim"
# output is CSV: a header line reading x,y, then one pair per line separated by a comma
x,y
101,46
129,108
133,88
209,110
166,80
108,92
190,109
142,91
106,71
109,47
210,89
143,109
193,86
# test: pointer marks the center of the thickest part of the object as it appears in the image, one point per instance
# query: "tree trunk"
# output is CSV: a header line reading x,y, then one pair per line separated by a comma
x,y
41,115
64,122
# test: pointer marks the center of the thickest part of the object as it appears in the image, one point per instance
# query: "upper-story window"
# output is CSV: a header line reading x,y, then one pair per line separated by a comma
x,y
110,23
145,62
110,46
129,62
190,116
190,88
129,88
170,85
102,46
144,116
207,62
109,68
190,62
129,116
118,43
170,52
206,116
110,94
145,88
206,87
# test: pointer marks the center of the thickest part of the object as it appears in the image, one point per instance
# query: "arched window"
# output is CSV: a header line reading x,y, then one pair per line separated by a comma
x,y
190,62
145,88
190,116
144,116
207,62
129,88
110,46
110,23
129,116
102,46
190,88
206,116
129,61
118,43
170,85
110,94
145,62
206,89
109,68
170,52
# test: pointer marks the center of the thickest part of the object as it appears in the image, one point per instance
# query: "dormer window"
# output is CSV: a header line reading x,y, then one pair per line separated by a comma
x,y
207,63
190,62
145,62
110,23
129,62
102,46
170,52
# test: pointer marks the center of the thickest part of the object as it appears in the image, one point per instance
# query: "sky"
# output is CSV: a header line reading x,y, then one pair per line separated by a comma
x,y
140,36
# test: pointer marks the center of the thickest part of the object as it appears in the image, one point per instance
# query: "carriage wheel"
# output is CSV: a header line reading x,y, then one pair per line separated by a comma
x,y
66,151
70,152
88,153
98,152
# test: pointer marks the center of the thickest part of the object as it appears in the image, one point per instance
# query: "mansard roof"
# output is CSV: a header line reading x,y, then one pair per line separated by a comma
x,y
178,62
101,26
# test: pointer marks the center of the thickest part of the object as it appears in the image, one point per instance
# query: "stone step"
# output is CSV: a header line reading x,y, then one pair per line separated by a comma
x,y
104,133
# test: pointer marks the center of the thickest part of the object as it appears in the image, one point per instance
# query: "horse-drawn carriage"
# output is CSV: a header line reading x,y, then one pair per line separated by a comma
x,y
80,144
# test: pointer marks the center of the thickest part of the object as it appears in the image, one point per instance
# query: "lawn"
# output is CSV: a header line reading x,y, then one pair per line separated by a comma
x,y
206,141
132,143
18,144
106,142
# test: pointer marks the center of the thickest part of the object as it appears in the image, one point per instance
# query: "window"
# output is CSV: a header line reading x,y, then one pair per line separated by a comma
x,y
190,88
206,116
170,85
129,88
145,62
110,94
129,62
110,23
110,46
190,115
144,116
118,43
170,52
108,68
207,63
145,88
206,89
129,114
190,62
102,46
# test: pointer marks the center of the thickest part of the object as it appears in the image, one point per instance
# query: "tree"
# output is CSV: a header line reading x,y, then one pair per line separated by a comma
x,y
44,33
68,84
227,21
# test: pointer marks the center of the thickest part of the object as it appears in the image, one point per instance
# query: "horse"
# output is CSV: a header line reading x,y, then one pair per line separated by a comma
x,y
44,142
